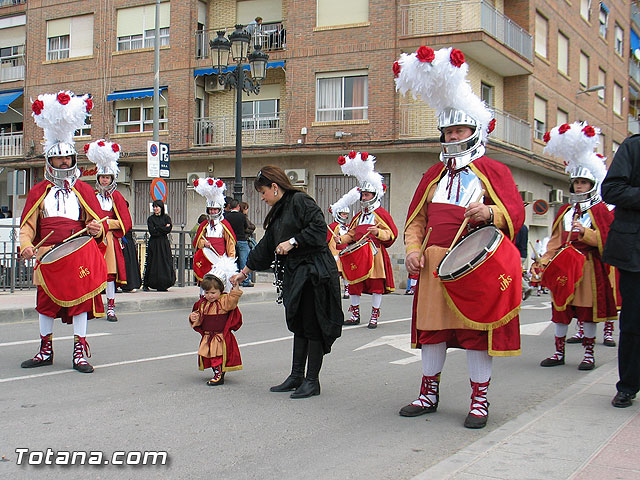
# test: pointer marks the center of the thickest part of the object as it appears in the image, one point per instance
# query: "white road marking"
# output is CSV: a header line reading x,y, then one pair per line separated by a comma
x,y
56,339
543,306
534,328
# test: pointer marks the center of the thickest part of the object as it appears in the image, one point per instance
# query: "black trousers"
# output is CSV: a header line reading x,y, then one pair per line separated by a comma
x,y
629,344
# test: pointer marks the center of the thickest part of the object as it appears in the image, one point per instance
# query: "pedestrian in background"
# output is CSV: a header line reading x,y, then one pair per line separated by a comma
x,y
240,224
131,263
158,271
251,235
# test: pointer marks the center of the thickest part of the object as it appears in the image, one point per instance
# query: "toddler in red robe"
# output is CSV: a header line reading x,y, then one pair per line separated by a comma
x,y
215,317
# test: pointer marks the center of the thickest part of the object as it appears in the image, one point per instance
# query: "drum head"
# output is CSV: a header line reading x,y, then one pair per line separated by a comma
x,y
65,248
469,251
212,256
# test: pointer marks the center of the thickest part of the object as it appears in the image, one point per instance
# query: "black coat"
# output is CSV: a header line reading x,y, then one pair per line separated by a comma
x,y
621,188
310,265
159,272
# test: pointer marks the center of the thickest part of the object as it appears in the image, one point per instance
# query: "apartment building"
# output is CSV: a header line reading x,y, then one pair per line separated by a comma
x,y
329,88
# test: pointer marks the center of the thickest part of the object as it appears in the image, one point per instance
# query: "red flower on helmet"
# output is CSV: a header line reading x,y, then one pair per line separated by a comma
x,y
330,210
492,125
384,187
425,54
63,98
196,182
599,155
396,69
210,181
37,106
101,143
341,160
547,137
115,147
563,128
86,147
456,58
364,156
88,103
589,131
352,154
219,183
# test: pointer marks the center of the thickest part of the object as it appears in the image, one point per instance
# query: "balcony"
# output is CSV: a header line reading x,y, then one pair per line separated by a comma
x,y
464,16
11,144
12,68
271,37
634,70
635,14
10,3
419,121
256,130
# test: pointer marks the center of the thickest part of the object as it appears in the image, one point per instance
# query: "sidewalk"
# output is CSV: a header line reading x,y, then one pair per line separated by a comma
x,y
20,305
575,435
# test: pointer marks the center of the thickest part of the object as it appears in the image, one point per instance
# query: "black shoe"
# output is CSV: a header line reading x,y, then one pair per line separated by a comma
x,y
213,382
551,362
609,343
112,318
291,383
623,400
351,322
586,365
475,422
574,340
372,325
145,289
33,363
415,411
309,388
83,367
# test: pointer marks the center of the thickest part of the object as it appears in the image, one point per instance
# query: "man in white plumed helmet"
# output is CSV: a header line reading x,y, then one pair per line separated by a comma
x,y
62,205
105,155
584,224
341,211
465,184
372,224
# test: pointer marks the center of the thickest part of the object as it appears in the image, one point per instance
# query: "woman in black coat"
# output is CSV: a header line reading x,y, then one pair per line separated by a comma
x,y
159,272
295,241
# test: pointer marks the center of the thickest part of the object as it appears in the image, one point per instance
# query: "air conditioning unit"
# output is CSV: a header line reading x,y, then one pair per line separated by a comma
x,y
124,176
527,197
556,196
297,176
191,176
212,85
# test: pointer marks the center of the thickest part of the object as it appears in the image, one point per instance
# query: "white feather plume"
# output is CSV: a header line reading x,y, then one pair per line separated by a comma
x,y
361,165
209,189
104,154
60,120
345,202
224,268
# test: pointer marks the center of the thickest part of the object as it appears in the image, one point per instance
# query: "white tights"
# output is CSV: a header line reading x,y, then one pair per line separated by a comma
x,y
79,324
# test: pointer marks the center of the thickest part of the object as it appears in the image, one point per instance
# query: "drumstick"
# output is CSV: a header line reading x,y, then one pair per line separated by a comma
x,y
43,240
575,217
80,232
464,223
424,242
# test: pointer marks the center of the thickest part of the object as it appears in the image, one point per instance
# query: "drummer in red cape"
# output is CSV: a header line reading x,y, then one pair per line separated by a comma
x,y
579,282
368,269
474,309
105,155
69,287
215,234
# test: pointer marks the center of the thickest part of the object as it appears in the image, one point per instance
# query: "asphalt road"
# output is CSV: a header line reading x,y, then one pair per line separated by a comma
x,y
148,395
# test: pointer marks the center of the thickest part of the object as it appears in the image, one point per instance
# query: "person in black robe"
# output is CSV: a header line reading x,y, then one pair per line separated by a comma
x,y
295,244
158,271
131,264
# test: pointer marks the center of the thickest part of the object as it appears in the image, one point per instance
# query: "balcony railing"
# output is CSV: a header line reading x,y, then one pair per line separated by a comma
x,y
419,121
455,16
9,3
257,130
11,144
633,125
270,37
634,70
12,68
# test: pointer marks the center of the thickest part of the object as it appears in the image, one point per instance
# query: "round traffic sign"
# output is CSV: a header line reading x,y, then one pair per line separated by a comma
x,y
540,207
153,149
159,189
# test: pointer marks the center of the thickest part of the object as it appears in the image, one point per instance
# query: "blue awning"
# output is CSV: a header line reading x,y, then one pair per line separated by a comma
x,y
635,40
604,7
210,71
7,97
129,94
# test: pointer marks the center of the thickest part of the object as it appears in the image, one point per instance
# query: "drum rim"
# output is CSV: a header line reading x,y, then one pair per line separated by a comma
x,y
477,260
204,249
55,247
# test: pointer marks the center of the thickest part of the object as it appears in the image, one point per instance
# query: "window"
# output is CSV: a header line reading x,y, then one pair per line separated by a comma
x,y
134,116
585,9
85,130
562,117
261,114
602,80
540,117
136,27
617,99
486,92
334,12
619,40
600,145
541,35
614,147
604,19
70,37
584,69
342,98
563,54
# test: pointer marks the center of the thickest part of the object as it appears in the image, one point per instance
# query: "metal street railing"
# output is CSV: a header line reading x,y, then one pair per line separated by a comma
x,y
11,144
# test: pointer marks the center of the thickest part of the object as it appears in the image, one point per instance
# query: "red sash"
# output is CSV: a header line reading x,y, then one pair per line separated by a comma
x,y
61,227
219,244
445,220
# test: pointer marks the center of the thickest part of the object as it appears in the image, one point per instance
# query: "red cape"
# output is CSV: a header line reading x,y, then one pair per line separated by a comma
x,y
122,214
498,181
201,229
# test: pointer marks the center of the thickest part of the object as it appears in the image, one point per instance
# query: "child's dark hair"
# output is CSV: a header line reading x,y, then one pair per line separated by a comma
x,y
210,281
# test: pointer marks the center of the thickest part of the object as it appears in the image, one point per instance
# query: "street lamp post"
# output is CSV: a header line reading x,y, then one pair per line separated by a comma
x,y
237,46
